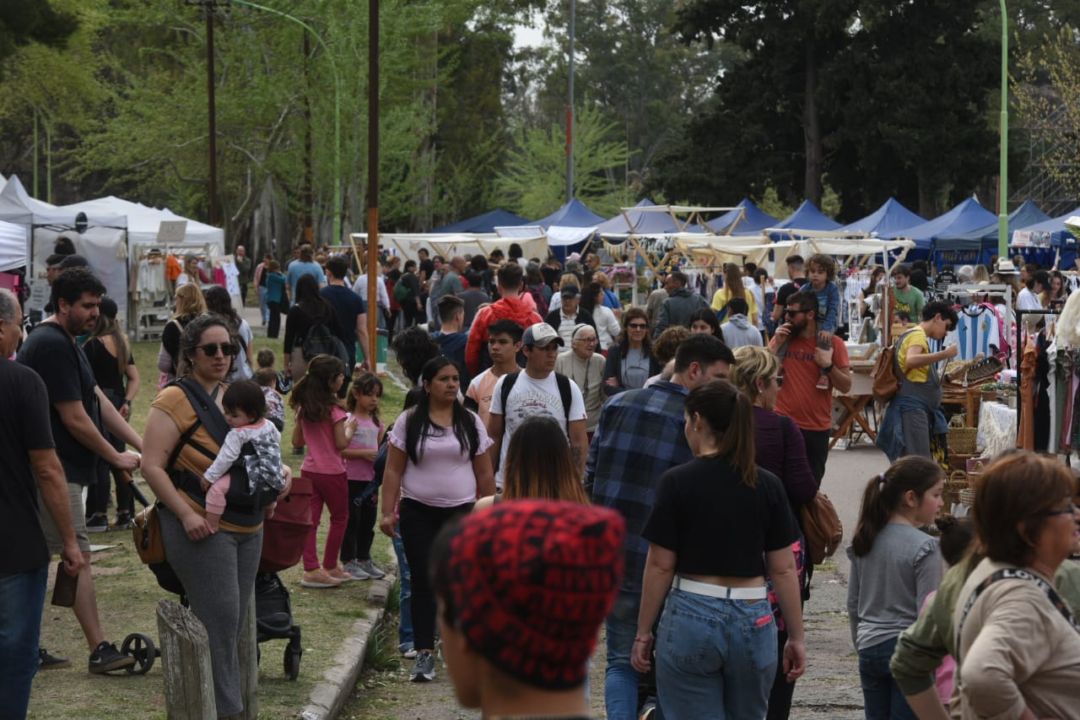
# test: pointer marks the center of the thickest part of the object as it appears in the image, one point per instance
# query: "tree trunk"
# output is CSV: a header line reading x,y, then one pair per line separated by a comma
x,y
815,155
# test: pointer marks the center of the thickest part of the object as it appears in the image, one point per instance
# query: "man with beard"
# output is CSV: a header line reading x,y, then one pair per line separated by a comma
x,y
78,412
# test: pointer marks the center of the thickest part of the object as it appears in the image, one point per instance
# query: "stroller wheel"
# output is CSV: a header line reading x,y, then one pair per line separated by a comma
x,y
140,647
293,653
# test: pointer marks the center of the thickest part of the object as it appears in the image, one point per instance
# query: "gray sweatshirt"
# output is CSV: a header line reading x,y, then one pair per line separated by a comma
x,y
738,332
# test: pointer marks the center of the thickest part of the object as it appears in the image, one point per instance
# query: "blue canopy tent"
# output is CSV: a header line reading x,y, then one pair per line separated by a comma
x,y
980,244
1040,242
641,223
485,223
892,215
965,217
569,227
753,221
806,217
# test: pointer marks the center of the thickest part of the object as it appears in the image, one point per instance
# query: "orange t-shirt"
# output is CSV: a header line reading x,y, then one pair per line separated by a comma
x,y
172,268
799,399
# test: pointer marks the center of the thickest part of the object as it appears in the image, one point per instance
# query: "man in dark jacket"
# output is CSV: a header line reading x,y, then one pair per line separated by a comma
x,y
569,314
681,304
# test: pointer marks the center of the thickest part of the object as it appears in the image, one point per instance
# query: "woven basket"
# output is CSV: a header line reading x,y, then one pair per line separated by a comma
x,y
956,483
961,438
967,497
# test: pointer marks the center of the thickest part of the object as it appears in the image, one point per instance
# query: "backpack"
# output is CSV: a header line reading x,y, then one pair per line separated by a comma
x,y
401,291
320,341
538,297
564,393
886,376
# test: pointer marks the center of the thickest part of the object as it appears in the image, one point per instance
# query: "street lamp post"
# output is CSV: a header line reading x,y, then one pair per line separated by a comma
x,y
1003,170
570,110
337,106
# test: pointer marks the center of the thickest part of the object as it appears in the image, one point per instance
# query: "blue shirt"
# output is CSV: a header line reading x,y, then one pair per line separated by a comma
x,y
611,300
299,268
639,438
275,287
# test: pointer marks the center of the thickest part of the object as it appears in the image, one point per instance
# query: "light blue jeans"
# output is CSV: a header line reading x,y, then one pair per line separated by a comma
x,y
264,309
405,631
717,654
620,678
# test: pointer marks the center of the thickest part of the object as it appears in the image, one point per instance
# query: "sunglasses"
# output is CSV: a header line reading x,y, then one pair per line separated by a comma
x,y
638,326
211,349
793,313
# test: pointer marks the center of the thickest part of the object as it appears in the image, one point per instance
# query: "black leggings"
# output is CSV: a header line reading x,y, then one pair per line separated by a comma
x,y
420,524
817,450
782,691
360,532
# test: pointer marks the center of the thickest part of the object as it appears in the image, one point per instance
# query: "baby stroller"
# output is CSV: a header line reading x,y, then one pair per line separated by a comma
x,y
283,543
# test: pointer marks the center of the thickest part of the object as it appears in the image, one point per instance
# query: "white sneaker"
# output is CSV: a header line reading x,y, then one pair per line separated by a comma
x,y
371,569
356,569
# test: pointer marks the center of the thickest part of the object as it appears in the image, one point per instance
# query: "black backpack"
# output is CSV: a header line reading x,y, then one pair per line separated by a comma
x,y
564,393
320,341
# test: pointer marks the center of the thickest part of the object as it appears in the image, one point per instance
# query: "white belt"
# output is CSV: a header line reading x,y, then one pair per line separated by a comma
x,y
719,591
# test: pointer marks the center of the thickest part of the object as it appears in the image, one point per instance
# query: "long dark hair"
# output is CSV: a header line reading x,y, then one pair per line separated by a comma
x,y
419,426
309,299
539,463
365,383
707,316
730,416
630,314
592,296
218,301
885,492
312,396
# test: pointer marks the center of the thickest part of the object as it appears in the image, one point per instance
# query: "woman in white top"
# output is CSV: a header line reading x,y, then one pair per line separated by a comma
x,y
607,325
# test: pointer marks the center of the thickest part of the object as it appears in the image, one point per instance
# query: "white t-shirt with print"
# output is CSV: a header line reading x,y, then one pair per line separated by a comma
x,y
531,397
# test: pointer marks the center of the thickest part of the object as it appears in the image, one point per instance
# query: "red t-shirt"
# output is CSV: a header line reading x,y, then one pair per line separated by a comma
x,y
799,398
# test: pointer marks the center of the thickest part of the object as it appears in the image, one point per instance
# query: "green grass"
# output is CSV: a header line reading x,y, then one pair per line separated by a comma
x,y
128,594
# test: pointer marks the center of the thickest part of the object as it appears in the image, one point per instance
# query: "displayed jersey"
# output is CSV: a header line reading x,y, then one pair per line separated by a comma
x,y
976,334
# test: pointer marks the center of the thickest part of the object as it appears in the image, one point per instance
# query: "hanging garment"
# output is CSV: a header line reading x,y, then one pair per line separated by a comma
x,y
1026,437
1042,395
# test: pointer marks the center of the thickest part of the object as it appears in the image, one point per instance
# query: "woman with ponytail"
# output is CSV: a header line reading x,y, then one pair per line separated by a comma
x,y
894,566
719,525
437,466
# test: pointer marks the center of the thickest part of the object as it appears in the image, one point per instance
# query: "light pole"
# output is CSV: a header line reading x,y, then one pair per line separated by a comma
x,y
1003,170
570,111
208,7
337,107
371,353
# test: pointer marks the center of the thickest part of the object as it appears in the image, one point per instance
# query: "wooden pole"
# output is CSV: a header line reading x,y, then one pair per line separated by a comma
x,y
211,111
185,663
373,183
249,663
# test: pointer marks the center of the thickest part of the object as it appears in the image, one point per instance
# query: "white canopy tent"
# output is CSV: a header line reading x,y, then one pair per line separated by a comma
x,y
408,244
144,222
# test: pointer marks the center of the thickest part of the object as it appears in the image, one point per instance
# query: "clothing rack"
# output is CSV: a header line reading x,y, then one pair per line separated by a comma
x,y
1020,404
148,318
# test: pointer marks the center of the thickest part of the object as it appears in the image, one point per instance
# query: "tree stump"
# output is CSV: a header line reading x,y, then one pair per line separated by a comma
x,y
185,663
248,652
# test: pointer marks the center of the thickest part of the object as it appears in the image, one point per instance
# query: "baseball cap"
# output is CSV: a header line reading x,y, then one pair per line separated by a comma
x,y
570,291
529,582
540,335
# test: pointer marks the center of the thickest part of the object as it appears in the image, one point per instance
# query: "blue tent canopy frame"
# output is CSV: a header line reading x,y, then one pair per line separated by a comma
x,y
484,223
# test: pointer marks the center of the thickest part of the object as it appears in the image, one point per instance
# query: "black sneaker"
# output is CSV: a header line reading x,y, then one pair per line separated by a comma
x,y
96,523
124,521
51,662
107,658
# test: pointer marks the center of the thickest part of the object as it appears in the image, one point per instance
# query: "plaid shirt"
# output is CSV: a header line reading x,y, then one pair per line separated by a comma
x,y
639,438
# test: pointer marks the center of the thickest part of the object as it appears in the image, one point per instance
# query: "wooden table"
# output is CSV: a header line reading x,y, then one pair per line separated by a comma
x,y
854,403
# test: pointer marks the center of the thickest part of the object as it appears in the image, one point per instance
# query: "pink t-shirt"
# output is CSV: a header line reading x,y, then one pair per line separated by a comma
x,y
322,456
366,437
444,477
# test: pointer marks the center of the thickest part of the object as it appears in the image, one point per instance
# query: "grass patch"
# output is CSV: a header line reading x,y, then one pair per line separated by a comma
x,y
127,595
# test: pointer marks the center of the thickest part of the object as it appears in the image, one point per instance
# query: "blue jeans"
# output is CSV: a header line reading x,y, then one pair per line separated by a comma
x,y
405,631
264,308
22,599
882,697
620,678
717,654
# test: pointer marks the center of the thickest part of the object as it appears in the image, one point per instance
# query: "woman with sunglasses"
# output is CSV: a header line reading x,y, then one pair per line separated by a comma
x,y
778,448
217,569
1018,645
630,362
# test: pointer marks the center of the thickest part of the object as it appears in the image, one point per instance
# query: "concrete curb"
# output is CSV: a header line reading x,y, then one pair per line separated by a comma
x,y
329,695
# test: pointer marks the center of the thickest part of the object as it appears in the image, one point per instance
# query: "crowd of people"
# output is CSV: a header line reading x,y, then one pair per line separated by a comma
x,y
563,461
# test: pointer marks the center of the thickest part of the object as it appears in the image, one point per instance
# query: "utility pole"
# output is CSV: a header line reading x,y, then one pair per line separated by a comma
x,y
570,111
373,183
208,8
1003,159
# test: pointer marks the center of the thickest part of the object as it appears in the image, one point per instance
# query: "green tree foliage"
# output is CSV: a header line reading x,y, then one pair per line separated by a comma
x,y
26,21
534,182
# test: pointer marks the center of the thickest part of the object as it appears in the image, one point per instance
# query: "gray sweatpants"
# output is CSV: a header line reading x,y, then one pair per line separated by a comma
x,y
218,574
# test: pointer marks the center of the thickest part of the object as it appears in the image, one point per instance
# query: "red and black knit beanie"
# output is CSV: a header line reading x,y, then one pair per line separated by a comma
x,y
532,580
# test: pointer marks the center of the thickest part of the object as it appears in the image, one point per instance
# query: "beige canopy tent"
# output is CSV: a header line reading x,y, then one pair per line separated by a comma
x,y
447,245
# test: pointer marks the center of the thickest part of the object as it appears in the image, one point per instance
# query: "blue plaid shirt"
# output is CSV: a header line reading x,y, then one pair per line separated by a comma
x,y
639,438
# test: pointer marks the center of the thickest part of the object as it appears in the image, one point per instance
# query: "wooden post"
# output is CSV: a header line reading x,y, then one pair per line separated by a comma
x,y
185,663
249,663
